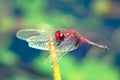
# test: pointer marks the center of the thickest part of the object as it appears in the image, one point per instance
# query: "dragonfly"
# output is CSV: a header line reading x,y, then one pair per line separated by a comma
x,y
64,40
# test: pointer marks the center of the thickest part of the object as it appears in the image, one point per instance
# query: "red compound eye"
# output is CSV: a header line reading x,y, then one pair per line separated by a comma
x,y
59,35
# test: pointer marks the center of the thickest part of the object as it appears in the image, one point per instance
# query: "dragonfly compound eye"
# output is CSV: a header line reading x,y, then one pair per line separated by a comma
x,y
59,35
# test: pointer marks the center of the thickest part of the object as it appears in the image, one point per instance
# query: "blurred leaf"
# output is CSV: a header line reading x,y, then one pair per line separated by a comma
x,y
40,64
101,6
8,58
7,24
92,70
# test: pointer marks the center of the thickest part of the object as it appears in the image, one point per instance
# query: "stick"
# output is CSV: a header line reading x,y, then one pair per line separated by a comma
x,y
56,71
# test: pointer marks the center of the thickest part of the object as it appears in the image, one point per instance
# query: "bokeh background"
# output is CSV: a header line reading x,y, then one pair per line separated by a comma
x,y
98,20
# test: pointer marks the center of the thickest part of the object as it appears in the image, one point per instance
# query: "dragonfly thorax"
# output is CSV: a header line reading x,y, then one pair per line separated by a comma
x,y
59,35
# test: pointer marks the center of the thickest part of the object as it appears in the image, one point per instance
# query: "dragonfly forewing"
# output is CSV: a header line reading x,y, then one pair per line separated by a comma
x,y
26,34
39,39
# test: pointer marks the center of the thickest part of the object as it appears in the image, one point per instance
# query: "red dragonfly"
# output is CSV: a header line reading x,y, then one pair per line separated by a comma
x,y
65,40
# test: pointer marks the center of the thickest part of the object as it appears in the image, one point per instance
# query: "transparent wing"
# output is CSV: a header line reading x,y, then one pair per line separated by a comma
x,y
38,39
26,34
67,45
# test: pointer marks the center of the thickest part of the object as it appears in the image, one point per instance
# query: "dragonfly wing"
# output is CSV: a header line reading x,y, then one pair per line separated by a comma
x,y
29,33
63,49
34,42
67,45
38,39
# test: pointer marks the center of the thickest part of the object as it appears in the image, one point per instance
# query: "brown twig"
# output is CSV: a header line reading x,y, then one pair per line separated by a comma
x,y
56,71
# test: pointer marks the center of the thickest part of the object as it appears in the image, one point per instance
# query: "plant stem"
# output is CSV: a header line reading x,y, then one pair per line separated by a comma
x,y
56,71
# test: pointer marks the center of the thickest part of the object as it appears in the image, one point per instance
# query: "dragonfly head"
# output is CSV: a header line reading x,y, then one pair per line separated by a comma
x,y
59,35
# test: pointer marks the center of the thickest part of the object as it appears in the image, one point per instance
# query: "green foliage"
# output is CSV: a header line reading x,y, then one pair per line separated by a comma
x,y
88,69
8,58
42,64
97,71
36,16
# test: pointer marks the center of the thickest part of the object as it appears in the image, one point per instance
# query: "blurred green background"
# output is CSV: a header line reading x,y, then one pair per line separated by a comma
x,y
98,20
